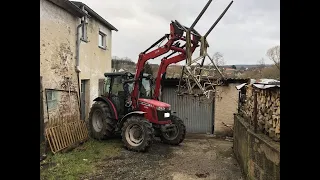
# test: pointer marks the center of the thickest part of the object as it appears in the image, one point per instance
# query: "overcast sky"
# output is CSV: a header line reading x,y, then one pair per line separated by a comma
x,y
244,34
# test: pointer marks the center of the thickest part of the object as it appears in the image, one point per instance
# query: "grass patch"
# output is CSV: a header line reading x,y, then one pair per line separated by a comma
x,y
79,161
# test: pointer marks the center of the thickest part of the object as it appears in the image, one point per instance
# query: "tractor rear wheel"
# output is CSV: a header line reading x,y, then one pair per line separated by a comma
x,y
101,126
137,134
176,136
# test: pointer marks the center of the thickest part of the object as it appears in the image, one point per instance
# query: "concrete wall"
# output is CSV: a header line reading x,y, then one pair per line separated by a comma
x,y
257,154
57,57
226,104
94,61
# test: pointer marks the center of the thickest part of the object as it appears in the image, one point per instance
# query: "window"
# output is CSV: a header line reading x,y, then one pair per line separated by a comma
x,y
52,99
102,40
117,85
107,83
145,89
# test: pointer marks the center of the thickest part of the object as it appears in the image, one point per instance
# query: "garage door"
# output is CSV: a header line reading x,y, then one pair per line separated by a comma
x,y
197,115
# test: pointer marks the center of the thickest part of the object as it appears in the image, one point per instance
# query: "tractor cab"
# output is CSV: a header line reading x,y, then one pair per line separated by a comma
x,y
119,86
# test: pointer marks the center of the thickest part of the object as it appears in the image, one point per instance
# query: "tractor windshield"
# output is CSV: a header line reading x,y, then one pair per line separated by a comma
x,y
145,89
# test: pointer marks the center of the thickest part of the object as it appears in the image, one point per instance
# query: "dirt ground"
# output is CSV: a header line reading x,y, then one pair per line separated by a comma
x,y
196,158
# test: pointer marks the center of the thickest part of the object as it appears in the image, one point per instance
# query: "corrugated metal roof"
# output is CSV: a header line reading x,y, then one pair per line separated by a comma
x,y
240,86
265,81
261,84
265,86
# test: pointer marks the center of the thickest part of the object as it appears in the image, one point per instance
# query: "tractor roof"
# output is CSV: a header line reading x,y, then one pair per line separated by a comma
x,y
124,73
117,73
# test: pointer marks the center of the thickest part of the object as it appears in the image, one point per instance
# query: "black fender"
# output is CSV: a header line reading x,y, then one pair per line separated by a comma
x,y
113,109
123,119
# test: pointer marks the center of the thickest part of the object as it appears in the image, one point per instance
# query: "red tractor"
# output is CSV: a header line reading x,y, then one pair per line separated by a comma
x,y
130,105
127,104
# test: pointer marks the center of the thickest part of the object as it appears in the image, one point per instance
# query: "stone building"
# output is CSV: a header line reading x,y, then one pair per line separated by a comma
x,y
75,52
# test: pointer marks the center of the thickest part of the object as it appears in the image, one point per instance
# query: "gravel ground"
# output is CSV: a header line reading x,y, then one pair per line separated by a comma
x,y
195,158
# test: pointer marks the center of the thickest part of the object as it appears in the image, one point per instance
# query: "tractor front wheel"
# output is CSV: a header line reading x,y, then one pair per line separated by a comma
x,y
137,134
177,135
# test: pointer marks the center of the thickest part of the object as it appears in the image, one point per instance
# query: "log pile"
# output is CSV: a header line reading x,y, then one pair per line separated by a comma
x,y
268,110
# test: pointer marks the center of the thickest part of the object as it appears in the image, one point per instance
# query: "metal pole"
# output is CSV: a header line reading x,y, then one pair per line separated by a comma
x,y
219,18
201,13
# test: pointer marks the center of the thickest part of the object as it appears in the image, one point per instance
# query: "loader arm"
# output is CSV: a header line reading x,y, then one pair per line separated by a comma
x,y
176,34
163,68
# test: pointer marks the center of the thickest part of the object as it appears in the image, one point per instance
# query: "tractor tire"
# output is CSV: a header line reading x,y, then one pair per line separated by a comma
x,y
137,134
101,126
178,136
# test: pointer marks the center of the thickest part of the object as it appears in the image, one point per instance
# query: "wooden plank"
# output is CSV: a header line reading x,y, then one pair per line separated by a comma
x,y
63,140
74,132
81,129
53,139
71,132
64,134
55,129
77,131
85,130
49,139
68,134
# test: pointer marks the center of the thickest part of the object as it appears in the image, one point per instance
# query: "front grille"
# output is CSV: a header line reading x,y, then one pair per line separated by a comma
x,y
161,117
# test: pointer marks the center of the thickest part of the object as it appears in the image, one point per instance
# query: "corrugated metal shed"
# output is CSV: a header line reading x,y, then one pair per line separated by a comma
x,y
196,112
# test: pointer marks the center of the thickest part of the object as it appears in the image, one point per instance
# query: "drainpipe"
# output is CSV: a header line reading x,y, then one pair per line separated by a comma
x,y
77,68
77,64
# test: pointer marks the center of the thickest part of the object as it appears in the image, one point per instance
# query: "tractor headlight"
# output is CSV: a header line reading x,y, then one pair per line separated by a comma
x,y
160,108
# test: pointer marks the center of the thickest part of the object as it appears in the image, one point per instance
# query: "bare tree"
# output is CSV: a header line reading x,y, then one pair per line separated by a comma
x,y
274,55
261,65
218,59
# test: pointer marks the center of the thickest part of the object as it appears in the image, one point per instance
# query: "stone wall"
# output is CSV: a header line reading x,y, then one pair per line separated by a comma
x,y
57,58
268,110
257,154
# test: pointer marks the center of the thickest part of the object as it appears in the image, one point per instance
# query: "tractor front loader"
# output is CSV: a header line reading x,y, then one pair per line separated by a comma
x,y
130,106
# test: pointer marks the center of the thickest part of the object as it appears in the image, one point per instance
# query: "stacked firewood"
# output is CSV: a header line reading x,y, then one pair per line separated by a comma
x,y
268,110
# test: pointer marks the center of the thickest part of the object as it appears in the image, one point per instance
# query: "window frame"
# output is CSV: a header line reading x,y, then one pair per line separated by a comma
x,y
53,101
103,40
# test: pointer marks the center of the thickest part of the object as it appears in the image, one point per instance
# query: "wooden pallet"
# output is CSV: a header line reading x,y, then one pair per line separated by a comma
x,y
64,134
